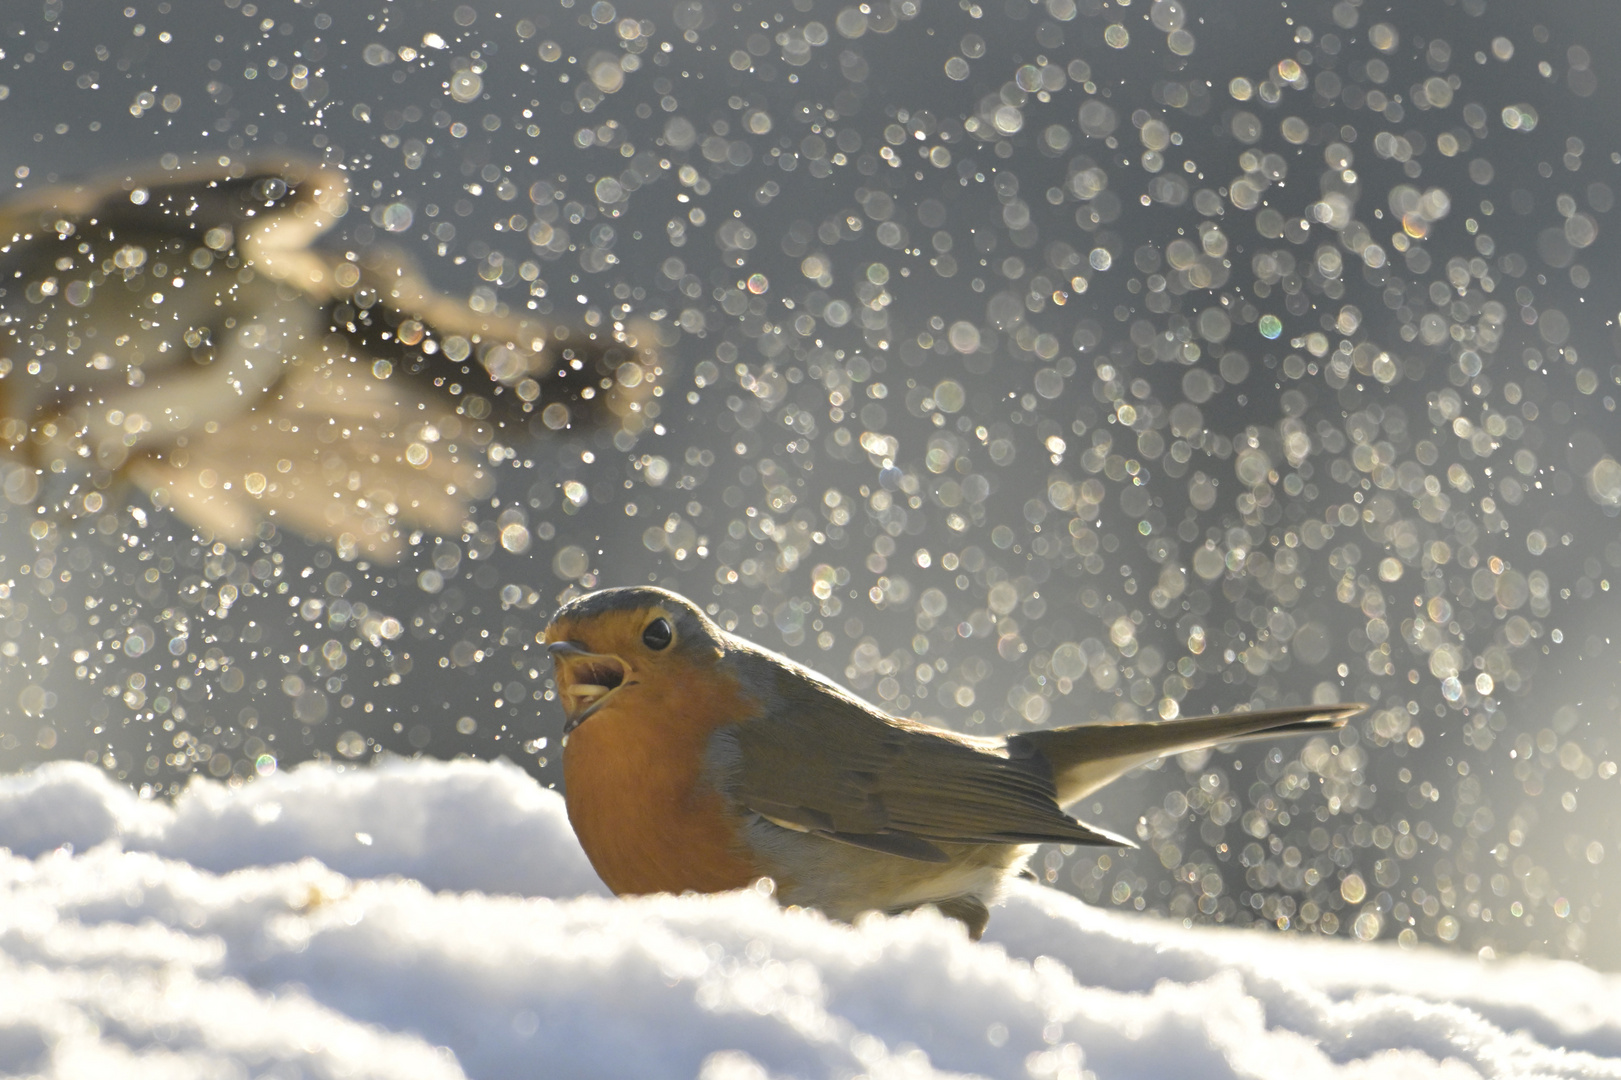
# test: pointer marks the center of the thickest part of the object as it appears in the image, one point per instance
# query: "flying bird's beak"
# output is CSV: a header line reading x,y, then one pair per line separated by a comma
x,y
585,680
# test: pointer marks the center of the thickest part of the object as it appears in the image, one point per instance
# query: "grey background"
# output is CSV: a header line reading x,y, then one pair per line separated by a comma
x,y
1497,806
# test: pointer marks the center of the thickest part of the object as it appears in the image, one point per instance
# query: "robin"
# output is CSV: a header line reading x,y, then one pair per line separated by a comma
x,y
181,331
696,760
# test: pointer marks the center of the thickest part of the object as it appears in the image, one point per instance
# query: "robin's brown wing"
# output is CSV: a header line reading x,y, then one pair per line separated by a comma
x,y
821,761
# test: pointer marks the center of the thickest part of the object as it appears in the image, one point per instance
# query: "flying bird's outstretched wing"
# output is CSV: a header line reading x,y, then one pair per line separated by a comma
x,y
182,332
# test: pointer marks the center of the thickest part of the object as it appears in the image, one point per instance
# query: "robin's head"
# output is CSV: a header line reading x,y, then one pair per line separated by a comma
x,y
604,643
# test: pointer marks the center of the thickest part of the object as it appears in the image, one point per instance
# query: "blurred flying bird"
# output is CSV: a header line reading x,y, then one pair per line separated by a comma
x,y
695,760
182,333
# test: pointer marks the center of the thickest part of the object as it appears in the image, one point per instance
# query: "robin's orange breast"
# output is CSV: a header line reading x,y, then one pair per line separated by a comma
x,y
633,775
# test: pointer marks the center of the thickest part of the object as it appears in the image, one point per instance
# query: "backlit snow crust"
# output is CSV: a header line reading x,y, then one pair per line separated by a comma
x,y
437,920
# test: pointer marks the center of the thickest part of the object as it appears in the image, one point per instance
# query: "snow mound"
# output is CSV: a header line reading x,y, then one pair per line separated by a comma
x,y
425,919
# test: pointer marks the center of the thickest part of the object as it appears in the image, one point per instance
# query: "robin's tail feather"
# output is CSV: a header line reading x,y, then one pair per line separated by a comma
x,y
1087,757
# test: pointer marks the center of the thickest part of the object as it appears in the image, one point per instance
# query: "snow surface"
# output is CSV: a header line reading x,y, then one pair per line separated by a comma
x,y
437,920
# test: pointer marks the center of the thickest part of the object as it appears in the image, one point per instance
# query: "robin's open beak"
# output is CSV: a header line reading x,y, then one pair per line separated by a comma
x,y
584,680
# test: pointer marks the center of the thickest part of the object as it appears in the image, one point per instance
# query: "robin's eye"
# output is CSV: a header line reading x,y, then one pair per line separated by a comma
x,y
658,635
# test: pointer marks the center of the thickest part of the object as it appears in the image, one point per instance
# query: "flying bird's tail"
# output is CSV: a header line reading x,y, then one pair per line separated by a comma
x,y
1087,757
